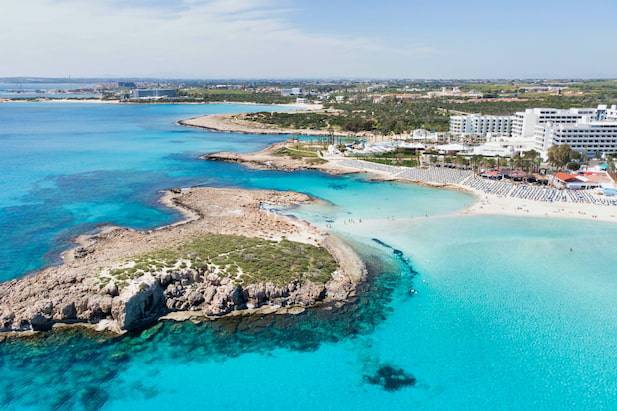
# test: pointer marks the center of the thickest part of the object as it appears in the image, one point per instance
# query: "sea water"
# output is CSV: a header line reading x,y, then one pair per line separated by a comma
x,y
484,312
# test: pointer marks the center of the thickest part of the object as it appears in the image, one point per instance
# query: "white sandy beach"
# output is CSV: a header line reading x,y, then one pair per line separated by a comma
x,y
495,205
490,204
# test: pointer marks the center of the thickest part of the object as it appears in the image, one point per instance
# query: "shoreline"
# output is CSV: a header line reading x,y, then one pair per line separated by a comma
x,y
70,295
267,159
299,106
492,204
233,123
484,204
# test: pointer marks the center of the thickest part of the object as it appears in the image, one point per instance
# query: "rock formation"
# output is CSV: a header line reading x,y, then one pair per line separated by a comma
x,y
72,293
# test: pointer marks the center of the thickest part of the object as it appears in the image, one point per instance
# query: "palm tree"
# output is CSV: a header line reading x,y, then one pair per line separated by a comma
x,y
475,163
518,161
533,158
461,161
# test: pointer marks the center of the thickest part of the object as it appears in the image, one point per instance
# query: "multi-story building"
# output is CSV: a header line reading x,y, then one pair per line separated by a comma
x,y
295,91
611,113
154,93
475,124
587,130
524,123
588,135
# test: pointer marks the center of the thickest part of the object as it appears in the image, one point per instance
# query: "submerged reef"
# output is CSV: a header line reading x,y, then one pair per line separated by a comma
x,y
391,378
36,368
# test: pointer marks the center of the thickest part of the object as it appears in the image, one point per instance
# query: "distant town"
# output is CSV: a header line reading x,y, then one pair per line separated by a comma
x,y
559,132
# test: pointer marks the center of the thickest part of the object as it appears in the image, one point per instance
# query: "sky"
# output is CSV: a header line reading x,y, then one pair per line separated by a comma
x,y
309,38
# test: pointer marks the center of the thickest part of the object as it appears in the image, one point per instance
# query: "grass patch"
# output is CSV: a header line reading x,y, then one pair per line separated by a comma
x,y
298,152
245,260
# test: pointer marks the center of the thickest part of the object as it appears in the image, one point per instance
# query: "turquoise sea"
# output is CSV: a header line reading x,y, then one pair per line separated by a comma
x,y
505,315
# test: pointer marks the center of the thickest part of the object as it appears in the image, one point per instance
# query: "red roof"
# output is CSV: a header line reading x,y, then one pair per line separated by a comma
x,y
566,177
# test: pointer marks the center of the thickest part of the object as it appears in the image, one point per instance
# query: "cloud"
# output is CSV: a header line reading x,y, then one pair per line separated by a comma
x,y
183,38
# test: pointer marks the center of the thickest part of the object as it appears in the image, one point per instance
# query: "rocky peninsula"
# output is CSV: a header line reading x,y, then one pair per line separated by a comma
x,y
283,156
241,123
233,254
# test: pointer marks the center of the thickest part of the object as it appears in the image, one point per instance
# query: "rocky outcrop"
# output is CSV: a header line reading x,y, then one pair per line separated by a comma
x,y
73,292
148,297
139,304
268,159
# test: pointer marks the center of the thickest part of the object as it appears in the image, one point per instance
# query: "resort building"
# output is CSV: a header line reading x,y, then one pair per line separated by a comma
x,y
427,136
587,135
583,181
503,147
479,125
588,130
524,123
611,113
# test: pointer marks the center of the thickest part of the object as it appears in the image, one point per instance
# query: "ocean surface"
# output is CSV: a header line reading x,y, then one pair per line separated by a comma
x,y
507,313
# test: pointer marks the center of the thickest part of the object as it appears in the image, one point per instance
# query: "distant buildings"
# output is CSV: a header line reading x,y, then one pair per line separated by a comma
x,y
126,84
543,89
454,92
154,93
295,91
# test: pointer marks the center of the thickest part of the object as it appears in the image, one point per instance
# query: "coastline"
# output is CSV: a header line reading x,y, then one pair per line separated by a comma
x,y
298,106
69,295
267,159
234,123
485,204
492,204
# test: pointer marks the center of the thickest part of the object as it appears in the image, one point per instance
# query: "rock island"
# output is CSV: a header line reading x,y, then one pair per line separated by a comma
x,y
233,254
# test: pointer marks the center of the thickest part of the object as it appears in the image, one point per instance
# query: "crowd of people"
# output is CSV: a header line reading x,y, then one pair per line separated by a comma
x,y
502,188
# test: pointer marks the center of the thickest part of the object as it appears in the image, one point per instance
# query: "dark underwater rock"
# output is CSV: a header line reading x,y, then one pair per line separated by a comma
x,y
391,378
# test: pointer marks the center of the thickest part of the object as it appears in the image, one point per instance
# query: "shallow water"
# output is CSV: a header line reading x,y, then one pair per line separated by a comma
x,y
505,315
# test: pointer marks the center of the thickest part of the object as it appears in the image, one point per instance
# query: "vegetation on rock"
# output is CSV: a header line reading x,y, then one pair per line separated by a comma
x,y
245,260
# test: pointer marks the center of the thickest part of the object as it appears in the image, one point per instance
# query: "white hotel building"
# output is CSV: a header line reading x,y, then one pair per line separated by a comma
x,y
588,135
588,130
475,124
524,123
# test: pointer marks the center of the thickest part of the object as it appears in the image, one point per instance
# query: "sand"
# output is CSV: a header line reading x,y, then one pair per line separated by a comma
x,y
237,123
490,204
